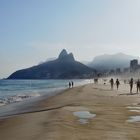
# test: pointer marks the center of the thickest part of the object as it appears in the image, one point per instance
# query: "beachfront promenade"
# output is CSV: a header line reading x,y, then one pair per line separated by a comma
x,y
112,116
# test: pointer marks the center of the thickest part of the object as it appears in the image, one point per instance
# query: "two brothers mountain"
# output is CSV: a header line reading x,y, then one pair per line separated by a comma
x,y
64,67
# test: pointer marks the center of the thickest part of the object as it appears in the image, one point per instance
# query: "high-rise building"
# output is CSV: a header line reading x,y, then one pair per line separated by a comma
x,y
133,65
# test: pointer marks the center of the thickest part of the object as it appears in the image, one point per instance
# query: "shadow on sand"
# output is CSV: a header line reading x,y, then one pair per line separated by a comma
x,y
130,93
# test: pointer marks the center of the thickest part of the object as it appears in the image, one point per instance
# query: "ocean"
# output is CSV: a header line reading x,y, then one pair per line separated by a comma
x,y
19,96
13,92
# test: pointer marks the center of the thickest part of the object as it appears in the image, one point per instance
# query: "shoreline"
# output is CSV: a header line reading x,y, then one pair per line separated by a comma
x,y
31,105
33,90
54,119
27,106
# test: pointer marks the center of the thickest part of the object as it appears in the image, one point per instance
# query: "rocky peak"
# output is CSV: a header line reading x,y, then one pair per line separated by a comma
x,y
70,57
64,56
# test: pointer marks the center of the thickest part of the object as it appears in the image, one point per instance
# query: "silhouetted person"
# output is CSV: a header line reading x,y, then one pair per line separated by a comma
x,y
72,84
69,84
96,80
117,83
138,85
112,83
131,84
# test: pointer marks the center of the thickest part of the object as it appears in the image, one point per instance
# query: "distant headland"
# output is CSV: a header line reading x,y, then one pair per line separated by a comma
x,y
64,67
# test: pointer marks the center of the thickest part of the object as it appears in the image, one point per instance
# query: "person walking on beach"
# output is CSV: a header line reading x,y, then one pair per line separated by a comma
x,y
112,83
117,83
69,84
95,80
138,85
72,84
131,85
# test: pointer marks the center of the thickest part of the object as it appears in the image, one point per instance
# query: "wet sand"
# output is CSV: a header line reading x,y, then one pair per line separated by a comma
x,y
54,119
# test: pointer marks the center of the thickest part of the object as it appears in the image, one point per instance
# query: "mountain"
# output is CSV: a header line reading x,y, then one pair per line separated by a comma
x,y
107,62
49,59
64,67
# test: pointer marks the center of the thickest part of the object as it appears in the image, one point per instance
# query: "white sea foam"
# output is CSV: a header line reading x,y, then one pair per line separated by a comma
x,y
18,98
2,103
12,91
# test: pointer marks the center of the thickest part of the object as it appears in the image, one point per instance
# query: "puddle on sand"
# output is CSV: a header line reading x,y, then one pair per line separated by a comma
x,y
133,107
135,110
134,119
84,116
83,121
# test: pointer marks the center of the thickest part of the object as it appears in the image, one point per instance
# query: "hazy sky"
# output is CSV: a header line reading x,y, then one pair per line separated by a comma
x,y
32,31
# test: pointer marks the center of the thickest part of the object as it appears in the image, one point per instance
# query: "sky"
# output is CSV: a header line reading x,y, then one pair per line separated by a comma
x,y
32,31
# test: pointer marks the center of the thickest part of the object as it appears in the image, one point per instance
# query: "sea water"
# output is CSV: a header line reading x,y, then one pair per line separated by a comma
x,y
14,91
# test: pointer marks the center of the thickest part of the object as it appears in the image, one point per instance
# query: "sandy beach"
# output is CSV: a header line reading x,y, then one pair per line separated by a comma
x,y
54,119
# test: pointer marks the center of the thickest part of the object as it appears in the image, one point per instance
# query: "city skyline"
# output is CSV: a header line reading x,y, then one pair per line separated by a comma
x,y
33,31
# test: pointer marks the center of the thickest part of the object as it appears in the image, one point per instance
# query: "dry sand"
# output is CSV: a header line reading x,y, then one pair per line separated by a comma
x,y
55,120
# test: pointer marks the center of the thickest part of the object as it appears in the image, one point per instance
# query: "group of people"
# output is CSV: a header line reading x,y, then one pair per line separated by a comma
x,y
71,84
112,83
117,83
131,83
